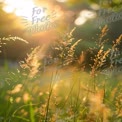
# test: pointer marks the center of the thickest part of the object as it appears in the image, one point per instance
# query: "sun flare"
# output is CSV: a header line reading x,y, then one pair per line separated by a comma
x,y
22,8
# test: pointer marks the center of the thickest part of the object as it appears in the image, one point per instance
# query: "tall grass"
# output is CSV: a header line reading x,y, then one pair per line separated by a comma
x,y
63,94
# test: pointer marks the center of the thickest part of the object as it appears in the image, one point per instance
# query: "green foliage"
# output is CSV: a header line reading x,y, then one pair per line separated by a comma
x,y
114,4
76,98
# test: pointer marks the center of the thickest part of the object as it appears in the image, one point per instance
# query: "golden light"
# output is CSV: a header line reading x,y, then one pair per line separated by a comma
x,y
15,5
84,16
21,8
80,21
88,14
8,9
61,1
33,16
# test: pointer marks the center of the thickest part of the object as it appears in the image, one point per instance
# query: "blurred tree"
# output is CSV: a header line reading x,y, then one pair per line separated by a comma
x,y
108,3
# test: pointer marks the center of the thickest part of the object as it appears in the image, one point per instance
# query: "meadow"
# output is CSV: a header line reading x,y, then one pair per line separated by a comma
x,y
60,91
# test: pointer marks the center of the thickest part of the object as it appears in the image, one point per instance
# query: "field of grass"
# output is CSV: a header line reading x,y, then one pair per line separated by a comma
x,y
58,97
60,94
